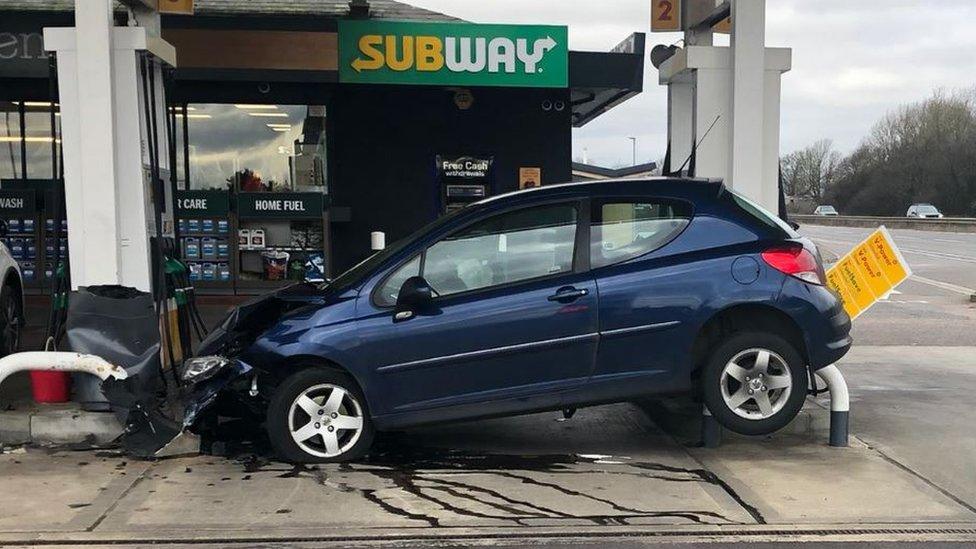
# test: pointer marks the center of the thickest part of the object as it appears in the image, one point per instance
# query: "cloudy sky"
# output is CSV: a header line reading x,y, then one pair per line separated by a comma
x,y
853,61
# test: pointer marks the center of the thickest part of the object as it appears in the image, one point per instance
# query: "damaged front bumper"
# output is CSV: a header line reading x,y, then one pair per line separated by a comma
x,y
205,393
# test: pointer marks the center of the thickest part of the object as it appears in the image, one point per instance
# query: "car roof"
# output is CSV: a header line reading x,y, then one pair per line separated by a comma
x,y
691,188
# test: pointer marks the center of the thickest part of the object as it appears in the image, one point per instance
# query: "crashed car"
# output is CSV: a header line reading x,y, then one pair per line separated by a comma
x,y
545,299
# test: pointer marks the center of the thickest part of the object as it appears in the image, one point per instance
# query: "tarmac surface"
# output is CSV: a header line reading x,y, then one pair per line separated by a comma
x,y
626,475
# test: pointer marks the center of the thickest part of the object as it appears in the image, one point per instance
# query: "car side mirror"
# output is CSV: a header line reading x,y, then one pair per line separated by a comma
x,y
795,225
415,295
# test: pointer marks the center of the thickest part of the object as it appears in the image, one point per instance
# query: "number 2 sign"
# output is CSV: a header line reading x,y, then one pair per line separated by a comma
x,y
665,15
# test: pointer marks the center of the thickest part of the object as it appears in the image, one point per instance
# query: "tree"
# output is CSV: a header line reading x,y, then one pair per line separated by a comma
x,y
809,172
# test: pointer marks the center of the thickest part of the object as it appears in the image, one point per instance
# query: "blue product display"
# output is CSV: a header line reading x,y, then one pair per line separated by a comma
x,y
27,271
223,226
192,225
191,248
195,272
182,225
49,224
207,225
208,248
13,225
17,248
30,249
223,272
209,271
27,225
223,249
315,267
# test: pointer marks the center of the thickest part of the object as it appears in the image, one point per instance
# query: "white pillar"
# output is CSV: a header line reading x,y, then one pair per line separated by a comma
x,y
748,98
104,139
681,136
740,87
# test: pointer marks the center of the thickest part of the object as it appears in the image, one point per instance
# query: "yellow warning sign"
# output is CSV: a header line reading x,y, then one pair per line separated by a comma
x,y
868,272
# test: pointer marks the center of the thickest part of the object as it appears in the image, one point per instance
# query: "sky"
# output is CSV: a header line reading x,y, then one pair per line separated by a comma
x,y
853,62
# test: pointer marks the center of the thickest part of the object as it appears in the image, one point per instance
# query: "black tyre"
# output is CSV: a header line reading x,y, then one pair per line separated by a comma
x,y
319,415
754,383
11,320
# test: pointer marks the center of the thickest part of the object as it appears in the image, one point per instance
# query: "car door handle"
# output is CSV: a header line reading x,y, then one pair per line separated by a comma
x,y
568,294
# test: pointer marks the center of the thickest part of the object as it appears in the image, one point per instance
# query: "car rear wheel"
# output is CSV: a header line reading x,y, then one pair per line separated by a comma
x,y
754,383
319,415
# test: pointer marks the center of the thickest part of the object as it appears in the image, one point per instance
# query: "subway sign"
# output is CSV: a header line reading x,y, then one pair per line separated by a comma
x,y
453,54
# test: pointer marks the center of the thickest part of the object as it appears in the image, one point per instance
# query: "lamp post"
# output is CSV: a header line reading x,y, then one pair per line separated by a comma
x,y
633,146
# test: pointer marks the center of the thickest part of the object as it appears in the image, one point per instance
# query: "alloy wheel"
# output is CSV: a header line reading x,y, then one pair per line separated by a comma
x,y
10,332
756,384
325,420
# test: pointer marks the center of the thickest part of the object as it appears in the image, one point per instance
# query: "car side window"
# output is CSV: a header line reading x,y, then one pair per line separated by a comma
x,y
386,295
624,229
509,247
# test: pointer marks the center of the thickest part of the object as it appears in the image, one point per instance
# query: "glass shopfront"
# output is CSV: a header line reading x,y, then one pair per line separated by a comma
x,y
257,172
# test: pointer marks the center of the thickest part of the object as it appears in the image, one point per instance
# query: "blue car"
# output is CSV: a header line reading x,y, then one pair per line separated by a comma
x,y
546,299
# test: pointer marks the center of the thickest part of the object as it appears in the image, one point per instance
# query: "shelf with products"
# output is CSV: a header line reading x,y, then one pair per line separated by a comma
x,y
205,229
280,238
29,242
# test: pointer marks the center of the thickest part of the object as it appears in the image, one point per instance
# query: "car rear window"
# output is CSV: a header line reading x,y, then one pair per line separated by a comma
x,y
625,229
764,215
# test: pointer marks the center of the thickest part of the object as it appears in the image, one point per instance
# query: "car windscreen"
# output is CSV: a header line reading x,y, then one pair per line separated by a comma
x,y
764,215
828,209
927,209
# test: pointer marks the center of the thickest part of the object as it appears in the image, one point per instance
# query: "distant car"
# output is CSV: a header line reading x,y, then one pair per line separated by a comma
x,y
924,211
11,298
825,210
552,298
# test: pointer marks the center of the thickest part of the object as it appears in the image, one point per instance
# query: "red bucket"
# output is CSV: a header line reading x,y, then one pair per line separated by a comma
x,y
50,387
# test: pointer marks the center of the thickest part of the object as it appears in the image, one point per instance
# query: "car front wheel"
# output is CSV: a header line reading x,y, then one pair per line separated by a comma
x,y
319,415
754,383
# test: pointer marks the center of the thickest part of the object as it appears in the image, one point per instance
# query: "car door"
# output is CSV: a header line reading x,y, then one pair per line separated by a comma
x,y
643,299
514,321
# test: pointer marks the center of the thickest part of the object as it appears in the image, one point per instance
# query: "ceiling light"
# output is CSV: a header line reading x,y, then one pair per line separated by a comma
x,y
180,115
257,107
278,125
280,129
270,114
28,139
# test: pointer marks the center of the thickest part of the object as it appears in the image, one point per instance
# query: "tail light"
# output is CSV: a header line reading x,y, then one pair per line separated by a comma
x,y
795,261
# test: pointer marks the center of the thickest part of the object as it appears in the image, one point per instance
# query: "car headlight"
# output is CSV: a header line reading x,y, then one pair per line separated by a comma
x,y
200,368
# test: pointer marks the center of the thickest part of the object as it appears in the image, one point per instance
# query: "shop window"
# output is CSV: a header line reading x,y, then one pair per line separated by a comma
x,y
246,147
31,134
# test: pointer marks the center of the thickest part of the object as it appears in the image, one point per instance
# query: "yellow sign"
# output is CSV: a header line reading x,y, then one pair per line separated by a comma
x,y
665,15
868,272
724,26
530,178
179,7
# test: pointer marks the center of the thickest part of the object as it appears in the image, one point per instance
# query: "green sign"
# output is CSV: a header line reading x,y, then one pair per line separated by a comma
x,y
17,202
453,54
281,205
202,203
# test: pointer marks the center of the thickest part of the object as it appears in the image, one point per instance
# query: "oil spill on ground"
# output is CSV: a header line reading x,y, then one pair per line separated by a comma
x,y
437,477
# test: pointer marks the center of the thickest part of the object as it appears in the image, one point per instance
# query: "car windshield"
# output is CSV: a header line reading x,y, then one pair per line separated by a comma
x,y
358,273
827,209
927,209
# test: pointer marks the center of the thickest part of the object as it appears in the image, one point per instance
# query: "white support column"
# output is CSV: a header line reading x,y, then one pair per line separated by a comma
x,y
740,87
681,98
87,102
748,97
105,143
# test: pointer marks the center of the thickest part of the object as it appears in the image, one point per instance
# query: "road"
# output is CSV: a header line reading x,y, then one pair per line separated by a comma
x,y
931,308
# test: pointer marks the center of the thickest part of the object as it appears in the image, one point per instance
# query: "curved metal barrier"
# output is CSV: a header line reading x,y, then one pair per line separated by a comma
x,y
948,224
